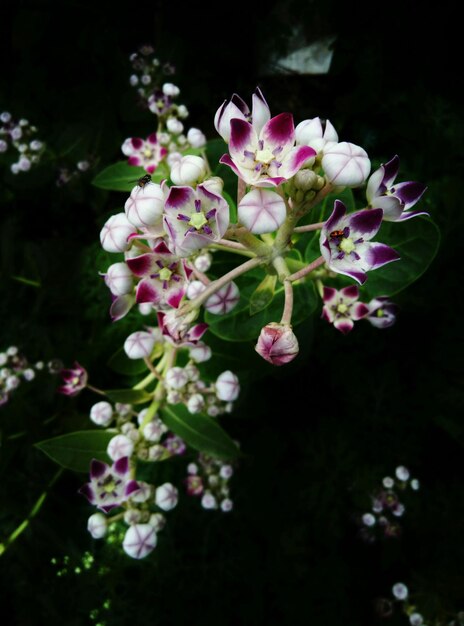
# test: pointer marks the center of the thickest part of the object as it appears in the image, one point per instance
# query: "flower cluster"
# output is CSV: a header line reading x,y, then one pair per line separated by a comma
x,y
148,71
209,478
19,137
15,369
387,508
69,174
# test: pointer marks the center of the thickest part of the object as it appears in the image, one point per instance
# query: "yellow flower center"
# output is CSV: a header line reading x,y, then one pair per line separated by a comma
x,y
147,153
109,486
347,245
342,308
264,156
380,313
198,220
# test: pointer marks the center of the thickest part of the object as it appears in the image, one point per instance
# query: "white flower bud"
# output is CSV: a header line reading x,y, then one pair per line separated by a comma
x,y
215,184
97,525
189,170
14,167
16,133
146,79
12,382
181,140
22,147
134,80
174,126
158,521
400,591
4,373
24,164
226,471
224,300
163,138
194,289
3,145
153,431
203,262
144,493
368,519
173,396
415,485
36,145
156,452
145,308
39,365
29,374
192,372
213,410
182,111
173,157
416,619
402,473
102,413
5,117
262,211
114,234
192,468
23,122
139,344
388,482
227,505
208,501
312,133
200,352
196,403
83,166
196,138
176,378
346,164
399,510
132,516
139,540
166,496
123,409
3,358
119,447
145,205
227,386
170,90
119,279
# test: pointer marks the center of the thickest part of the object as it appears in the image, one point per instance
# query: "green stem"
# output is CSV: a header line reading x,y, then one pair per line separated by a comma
x,y
306,270
243,252
309,227
33,512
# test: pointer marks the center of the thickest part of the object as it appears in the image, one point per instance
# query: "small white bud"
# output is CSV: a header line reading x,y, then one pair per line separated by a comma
x,y
139,344
166,496
14,167
83,166
203,262
170,90
163,138
12,351
226,471
195,403
402,473
134,80
24,164
156,452
200,352
36,145
192,468
416,619
158,521
3,358
23,122
208,501
174,126
227,505
119,447
97,525
213,410
22,147
194,289
132,516
102,413
196,138
12,382
3,145
153,431
368,519
388,482
415,484
39,365
182,111
119,279
139,540
189,170
5,117
173,396
16,133
146,79
173,157
145,308
29,374
144,493
227,386
115,232
400,591
399,510
176,378
192,372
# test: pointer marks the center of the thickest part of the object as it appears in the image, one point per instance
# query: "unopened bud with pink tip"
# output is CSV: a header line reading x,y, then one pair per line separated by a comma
x,y
277,344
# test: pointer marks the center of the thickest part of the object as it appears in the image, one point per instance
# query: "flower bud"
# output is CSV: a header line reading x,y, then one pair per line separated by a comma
x,y
224,300
176,378
200,353
277,344
402,473
170,90
166,496
3,145
262,211
208,501
182,111
24,164
144,492
400,591
195,403
416,619
194,289
139,540
29,374
215,184
119,279
97,525
157,452
192,468
102,413
226,471
158,521
305,179
189,170
119,447
312,133
173,157
203,262
346,164
115,232
36,145
227,505
145,205
196,138
174,126
139,345
12,382
133,80
227,386
132,516
5,117
153,431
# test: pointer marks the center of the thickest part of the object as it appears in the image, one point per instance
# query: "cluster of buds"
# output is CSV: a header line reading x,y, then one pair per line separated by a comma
x,y
19,136
15,369
208,478
401,597
69,174
387,508
148,71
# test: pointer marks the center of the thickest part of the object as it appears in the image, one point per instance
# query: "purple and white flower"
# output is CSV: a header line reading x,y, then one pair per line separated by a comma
x,y
163,276
74,380
178,329
109,486
223,300
346,164
382,312
139,540
267,158
341,307
236,108
316,133
345,242
262,211
277,344
146,153
396,200
194,218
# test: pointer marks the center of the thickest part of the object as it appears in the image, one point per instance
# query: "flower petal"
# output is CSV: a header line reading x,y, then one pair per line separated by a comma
x,y
279,132
380,254
179,197
365,223
260,111
142,265
242,137
295,159
97,469
121,307
121,466
88,492
350,293
391,170
226,160
148,291
359,310
409,193
262,211
329,295
343,324
338,214
131,487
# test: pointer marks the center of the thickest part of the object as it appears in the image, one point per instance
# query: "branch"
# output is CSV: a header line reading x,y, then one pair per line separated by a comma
x,y
306,270
309,227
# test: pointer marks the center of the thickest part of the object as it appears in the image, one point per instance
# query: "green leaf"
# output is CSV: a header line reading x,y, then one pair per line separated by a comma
x,y
199,431
215,148
238,325
263,294
416,241
129,396
232,206
122,177
120,363
74,451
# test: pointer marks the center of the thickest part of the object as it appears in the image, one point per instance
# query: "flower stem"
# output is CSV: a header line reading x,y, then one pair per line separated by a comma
x,y
231,244
152,368
306,270
309,227
202,277
288,307
96,390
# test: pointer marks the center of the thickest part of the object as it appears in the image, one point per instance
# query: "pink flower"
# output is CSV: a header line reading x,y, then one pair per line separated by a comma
x,y
146,153
341,308
277,344
74,380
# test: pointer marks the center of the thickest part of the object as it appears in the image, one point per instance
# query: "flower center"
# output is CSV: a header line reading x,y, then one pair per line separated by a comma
x,y
342,308
198,220
264,156
347,245
165,274
147,153
109,485
380,313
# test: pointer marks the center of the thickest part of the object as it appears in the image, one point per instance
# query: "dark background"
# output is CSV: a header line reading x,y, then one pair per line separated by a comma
x,y
318,437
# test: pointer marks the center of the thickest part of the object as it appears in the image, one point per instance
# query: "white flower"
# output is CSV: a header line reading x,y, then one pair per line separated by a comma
x,y
227,386
166,496
115,232
176,378
119,279
400,591
144,207
139,344
139,540
188,170
120,446
101,413
170,90
97,525
196,138
346,164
